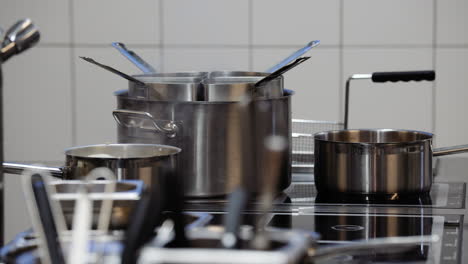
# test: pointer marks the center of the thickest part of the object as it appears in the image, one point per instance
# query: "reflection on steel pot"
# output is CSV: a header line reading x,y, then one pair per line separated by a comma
x,y
376,161
144,162
209,135
204,86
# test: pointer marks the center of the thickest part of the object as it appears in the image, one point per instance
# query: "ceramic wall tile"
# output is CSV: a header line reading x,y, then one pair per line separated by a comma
x,y
206,22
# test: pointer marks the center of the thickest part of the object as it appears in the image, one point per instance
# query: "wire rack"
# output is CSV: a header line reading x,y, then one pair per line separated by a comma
x,y
303,141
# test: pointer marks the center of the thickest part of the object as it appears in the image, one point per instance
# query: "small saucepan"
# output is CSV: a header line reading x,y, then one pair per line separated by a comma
x,y
376,161
146,162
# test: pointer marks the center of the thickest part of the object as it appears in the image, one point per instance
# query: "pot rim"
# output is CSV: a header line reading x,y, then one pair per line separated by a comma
x,y
172,151
124,94
317,136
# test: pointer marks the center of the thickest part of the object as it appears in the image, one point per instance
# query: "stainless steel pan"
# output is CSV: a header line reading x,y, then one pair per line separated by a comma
x,y
127,161
376,161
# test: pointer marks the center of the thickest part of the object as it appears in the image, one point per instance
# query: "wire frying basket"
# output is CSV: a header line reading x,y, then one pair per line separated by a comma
x,y
303,141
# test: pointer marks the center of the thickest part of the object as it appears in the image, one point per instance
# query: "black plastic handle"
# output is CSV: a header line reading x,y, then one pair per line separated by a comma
x,y
405,76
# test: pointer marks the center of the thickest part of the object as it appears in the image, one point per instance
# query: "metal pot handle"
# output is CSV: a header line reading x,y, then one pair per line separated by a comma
x,y
135,119
17,168
449,150
378,244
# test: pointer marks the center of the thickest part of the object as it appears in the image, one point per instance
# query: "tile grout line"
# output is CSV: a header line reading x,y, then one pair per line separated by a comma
x,y
434,64
161,36
341,59
73,102
208,46
250,35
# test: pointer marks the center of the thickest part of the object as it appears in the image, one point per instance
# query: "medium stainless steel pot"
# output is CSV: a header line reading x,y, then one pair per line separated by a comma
x,y
376,161
182,86
146,162
210,138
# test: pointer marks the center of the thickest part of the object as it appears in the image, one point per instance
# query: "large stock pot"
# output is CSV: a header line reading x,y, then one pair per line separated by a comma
x,y
209,134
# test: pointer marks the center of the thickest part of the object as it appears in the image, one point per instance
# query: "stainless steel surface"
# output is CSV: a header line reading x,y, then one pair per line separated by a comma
x,y
17,168
127,161
223,86
374,161
294,56
19,37
167,87
233,88
134,58
210,139
449,150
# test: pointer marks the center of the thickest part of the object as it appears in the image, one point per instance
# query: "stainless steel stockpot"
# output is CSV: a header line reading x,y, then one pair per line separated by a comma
x,y
146,162
210,138
376,161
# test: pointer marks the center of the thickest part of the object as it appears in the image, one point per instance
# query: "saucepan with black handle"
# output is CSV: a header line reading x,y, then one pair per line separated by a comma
x,y
377,161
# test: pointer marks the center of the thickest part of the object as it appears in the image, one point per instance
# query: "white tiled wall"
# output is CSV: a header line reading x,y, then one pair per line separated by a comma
x,y
54,100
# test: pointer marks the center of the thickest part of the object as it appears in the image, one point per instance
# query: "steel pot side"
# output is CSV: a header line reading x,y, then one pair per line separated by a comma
x,y
218,86
375,161
209,136
146,162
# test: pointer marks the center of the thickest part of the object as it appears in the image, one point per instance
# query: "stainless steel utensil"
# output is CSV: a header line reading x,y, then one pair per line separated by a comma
x,y
231,88
233,219
121,74
134,58
19,37
127,161
294,56
280,71
376,161
274,147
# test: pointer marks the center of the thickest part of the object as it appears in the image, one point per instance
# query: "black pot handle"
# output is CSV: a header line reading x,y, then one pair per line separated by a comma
x,y
405,76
